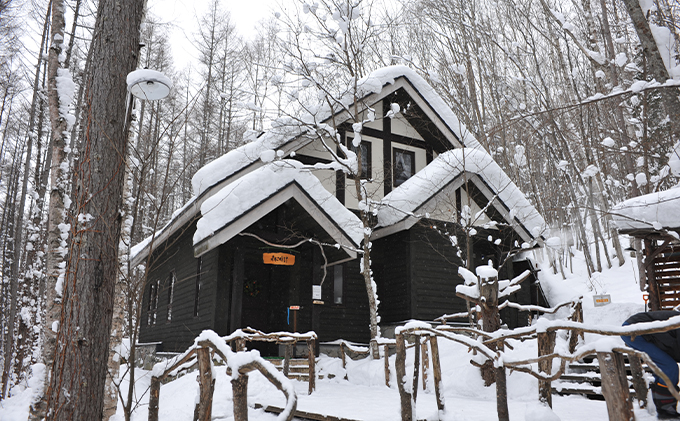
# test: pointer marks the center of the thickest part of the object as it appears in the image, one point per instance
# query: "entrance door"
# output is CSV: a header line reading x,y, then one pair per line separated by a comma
x,y
266,291
265,297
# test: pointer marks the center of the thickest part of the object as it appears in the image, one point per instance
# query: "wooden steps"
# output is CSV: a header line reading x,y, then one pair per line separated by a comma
x,y
583,378
298,368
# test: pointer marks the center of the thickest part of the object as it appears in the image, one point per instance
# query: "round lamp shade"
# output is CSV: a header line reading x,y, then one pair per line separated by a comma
x,y
148,84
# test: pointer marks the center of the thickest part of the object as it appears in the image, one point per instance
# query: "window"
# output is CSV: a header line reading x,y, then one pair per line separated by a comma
x,y
337,284
171,294
199,265
153,303
366,157
404,165
149,306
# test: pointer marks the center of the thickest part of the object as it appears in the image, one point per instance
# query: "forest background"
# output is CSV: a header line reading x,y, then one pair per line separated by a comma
x,y
576,100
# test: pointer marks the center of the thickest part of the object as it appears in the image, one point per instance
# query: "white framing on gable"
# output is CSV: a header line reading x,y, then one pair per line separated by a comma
x,y
291,191
448,190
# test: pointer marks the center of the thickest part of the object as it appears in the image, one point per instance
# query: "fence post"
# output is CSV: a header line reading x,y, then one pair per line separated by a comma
x,y
639,383
239,386
615,386
342,355
400,366
312,362
386,349
577,316
426,362
205,381
502,392
437,373
286,359
154,397
416,367
546,345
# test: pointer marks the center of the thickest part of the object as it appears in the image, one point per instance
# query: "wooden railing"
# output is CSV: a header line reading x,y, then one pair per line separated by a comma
x,y
288,339
209,345
614,381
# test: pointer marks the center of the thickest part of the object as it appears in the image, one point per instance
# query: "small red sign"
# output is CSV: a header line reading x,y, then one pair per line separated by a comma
x,y
294,307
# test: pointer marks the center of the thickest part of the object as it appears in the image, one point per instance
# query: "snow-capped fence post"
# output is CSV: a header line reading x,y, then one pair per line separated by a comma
x,y
386,351
311,357
615,386
343,357
437,373
576,316
239,387
546,345
491,319
405,397
203,410
154,397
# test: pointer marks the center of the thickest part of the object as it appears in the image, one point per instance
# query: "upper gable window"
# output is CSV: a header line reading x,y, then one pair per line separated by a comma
x,y
366,157
404,165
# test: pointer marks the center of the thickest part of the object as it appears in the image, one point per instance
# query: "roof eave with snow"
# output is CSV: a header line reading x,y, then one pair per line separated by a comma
x,y
414,199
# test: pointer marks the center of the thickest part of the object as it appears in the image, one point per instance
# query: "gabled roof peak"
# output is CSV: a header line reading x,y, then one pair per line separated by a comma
x,y
286,130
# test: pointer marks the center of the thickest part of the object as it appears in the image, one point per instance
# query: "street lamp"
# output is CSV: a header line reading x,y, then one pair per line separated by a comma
x,y
148,84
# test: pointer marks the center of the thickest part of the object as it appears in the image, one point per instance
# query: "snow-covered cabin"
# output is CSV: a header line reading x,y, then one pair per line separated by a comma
x,y
218,264
655,219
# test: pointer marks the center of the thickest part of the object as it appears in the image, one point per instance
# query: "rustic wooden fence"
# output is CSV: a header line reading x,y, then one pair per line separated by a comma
x,y
209,345
288,339
614,381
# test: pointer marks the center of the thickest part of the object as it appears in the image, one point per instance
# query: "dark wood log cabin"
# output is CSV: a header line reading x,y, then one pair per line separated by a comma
x,y
655,220
206,269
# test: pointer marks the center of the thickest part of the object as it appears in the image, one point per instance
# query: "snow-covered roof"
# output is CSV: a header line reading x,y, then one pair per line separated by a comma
x,y
287,135
252,196
425,187
286,130
654,211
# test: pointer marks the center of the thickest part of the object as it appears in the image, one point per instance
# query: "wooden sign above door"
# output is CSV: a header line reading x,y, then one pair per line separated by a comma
x,y
282,259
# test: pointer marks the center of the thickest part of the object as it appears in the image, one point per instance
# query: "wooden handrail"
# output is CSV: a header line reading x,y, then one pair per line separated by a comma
x,y
200,351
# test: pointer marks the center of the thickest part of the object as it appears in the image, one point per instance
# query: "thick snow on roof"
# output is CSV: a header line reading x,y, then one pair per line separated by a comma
x,y
284,130
391,73
247,192
229,163
406,199
660,210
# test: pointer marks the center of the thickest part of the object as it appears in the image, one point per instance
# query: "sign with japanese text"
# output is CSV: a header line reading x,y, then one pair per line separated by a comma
x,y
281,259
602,300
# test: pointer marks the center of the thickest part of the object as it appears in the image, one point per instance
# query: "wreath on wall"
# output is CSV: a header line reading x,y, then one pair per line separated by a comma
x,y
251,287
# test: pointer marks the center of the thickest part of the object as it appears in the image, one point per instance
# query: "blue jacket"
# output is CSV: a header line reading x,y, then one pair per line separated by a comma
x,y
668,342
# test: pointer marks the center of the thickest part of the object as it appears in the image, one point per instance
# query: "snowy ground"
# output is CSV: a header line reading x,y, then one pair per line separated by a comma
x,y
363,396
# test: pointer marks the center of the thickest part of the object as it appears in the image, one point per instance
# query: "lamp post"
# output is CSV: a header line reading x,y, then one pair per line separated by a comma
x,y
149,85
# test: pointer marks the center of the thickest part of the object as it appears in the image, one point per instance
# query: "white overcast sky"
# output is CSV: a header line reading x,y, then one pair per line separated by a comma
x,y
182,15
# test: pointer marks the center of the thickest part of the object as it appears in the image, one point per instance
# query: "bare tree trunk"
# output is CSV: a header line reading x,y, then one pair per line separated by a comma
x,y
19,219
76,388
655,63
